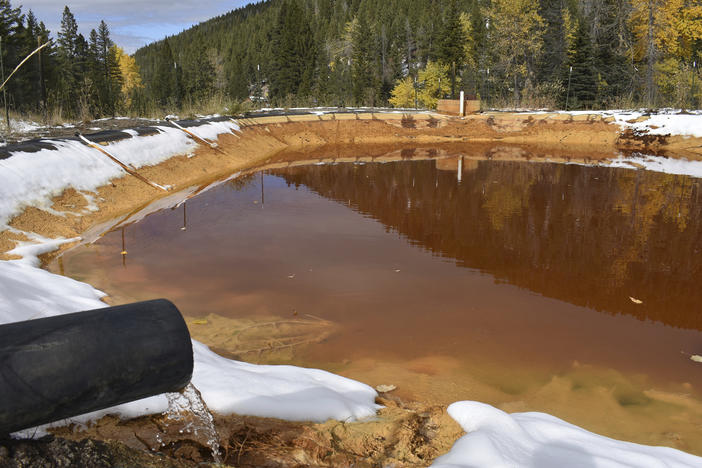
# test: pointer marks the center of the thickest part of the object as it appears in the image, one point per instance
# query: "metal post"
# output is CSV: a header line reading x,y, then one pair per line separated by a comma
x,y
4,91
694,97
568,92
487,100
42,87
123,253
416,102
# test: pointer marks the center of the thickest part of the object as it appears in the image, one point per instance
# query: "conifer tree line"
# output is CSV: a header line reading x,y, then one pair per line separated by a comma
x,y
72,77
511,53
406,53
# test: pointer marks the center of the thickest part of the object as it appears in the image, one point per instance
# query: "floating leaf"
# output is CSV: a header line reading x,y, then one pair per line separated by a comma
x,y
635,301
696,358
200,322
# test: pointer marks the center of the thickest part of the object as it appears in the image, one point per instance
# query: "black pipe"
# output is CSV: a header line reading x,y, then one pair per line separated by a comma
x,y
58,367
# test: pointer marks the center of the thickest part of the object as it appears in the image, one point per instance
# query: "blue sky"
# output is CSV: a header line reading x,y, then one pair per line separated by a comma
x,y
132,23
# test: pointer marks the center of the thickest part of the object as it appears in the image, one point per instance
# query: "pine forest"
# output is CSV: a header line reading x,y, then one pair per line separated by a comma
x,y
555,54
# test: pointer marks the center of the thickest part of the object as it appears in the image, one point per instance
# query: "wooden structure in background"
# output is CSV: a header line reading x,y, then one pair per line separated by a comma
x,y
471,105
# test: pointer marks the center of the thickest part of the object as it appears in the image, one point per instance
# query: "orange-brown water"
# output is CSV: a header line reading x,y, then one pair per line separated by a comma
x,y
518,284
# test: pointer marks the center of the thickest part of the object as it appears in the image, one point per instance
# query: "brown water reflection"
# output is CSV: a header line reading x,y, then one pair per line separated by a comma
x,y
591,236
510,286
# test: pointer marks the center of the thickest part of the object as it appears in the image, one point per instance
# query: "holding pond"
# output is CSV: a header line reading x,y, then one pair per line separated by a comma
x,y
511,286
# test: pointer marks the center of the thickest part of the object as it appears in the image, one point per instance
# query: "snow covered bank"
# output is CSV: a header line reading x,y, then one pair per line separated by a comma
x,y
33,179
27,292
496,439
663,122
227,386
689,125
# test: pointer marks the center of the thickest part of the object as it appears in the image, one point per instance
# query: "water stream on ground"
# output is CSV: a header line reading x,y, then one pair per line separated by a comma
x,y
533,286
187,405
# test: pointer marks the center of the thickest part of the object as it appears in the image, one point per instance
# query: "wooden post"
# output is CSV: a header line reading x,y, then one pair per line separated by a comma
x,y
462,105
128,168
42,86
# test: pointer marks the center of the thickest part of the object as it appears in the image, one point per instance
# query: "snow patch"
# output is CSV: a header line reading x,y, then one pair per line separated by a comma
x,y
24,126
662,124
497,439
33,179
659,164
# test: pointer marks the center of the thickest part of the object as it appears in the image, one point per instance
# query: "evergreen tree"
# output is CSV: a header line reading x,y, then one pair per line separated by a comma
x,y
11,30
164,86
555,45
104,44
68,58
295,54
611,41
583,79
452,45
362,67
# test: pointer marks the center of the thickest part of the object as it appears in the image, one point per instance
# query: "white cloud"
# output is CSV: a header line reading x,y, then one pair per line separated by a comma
x,y
132,23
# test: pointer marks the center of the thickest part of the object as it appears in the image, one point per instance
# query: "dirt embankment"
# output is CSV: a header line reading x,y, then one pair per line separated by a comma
x,y
338,137
403,435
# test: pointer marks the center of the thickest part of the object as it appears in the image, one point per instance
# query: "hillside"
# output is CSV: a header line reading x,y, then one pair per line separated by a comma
x,y
547,53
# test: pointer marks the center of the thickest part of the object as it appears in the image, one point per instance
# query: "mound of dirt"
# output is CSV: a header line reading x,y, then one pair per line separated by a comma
x,y
402,435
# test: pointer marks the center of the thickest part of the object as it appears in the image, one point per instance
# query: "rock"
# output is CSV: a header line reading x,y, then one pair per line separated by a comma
x,y
385,388
56,452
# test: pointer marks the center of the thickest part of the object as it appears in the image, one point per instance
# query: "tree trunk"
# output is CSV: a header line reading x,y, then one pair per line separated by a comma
x,y
651,54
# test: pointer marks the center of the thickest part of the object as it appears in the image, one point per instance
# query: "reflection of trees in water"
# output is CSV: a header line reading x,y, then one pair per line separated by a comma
x,y
592,236
241,182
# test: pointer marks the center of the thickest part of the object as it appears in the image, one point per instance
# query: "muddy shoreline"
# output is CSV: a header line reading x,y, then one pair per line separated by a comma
x,y
406,433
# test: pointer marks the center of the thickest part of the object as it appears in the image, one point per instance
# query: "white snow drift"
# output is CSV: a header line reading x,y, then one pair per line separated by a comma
x,y
499,440
33,179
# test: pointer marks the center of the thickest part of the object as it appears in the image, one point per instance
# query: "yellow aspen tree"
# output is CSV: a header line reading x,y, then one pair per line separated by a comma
x,y
403,94
665,33
131,79
647,25
681,26
435,84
